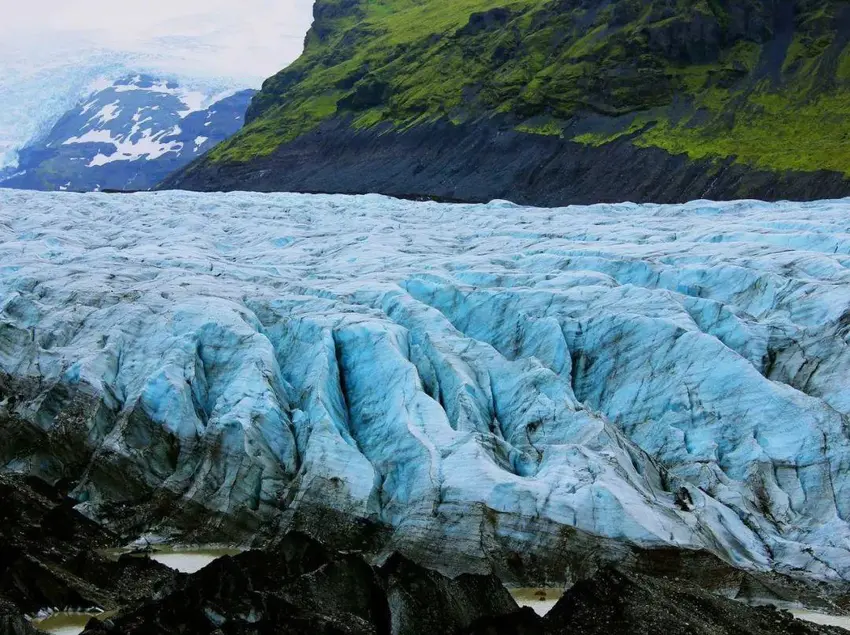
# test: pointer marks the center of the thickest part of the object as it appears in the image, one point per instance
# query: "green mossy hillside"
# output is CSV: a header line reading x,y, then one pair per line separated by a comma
x,y
761,82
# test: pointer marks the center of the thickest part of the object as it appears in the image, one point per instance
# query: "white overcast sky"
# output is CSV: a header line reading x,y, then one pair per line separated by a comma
x,y
50,50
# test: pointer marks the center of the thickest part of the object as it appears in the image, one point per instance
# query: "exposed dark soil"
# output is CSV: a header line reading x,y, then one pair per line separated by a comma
x,y
300,587
484,161
49,557
614,603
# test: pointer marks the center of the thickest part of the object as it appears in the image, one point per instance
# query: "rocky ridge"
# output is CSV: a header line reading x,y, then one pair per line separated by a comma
x,y
552,102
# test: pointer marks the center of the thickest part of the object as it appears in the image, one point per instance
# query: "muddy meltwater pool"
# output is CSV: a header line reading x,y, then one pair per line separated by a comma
x,y
822,618
64,623
541,600
183,559
190,560
544,600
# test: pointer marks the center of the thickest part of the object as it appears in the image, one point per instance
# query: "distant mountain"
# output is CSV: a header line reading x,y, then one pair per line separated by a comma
x,y
128,136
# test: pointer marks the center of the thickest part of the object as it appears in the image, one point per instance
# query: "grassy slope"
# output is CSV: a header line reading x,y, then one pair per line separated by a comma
x,y
688,77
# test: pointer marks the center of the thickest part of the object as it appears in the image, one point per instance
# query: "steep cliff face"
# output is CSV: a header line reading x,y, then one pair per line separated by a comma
x,y
726,99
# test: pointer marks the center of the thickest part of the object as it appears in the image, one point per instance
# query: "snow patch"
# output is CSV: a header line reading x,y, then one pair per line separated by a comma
x,y
107,113
99,84
91,136
101,159
148,146
194,102
12,176
88,106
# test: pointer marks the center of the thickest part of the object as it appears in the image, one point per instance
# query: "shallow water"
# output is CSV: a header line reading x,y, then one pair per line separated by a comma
x,y
64,623
191,560
183,559
821,618
540,600
544,600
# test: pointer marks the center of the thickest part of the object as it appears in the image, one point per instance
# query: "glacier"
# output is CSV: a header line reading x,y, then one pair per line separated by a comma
x,y
574,381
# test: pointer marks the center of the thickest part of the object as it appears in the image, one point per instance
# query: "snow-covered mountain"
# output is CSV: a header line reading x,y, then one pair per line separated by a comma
x,y
127,136
496,384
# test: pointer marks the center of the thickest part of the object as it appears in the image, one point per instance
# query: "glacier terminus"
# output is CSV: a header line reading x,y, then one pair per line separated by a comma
x,y
495,388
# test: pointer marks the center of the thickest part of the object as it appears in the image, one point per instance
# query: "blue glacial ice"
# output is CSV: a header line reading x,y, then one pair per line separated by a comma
x,y
428,365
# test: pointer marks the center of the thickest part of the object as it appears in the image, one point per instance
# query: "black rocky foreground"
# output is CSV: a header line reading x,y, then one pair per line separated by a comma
x,y
300,587
614,603
50,558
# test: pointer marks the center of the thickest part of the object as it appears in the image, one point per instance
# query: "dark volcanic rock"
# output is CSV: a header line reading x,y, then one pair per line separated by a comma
x,y
301,587
12,622
297,588
522,622
49,558
424,601
480,162
49,555
616,603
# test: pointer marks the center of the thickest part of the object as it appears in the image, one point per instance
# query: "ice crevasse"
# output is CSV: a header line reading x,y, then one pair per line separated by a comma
x,y
469,376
